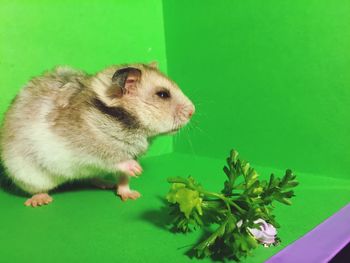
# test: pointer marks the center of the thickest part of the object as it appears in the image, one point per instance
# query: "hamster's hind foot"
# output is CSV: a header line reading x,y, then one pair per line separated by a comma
x,y
125,193
38,200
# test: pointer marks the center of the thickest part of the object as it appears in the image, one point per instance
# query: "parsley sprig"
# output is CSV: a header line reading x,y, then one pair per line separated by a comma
x,y
243,200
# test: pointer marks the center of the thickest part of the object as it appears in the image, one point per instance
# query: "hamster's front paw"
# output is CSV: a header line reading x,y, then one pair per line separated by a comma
x,y
130,167
125,193
38,200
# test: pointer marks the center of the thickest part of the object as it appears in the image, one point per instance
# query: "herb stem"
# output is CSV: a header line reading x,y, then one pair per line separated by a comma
x,y
226,200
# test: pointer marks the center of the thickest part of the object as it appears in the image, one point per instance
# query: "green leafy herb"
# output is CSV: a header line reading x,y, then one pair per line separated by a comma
x,y
235,210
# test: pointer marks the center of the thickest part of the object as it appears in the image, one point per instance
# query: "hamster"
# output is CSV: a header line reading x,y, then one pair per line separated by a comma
x,y
67,125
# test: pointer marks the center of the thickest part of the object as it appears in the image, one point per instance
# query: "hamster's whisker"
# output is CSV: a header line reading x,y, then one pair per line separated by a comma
x,y
206,134
187,107
174,122
190,143
202,102
200,114
150,104
190,126
196,124
194,90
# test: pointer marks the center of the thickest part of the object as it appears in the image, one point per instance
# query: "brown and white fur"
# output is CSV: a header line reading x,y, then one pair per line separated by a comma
x,y
66,125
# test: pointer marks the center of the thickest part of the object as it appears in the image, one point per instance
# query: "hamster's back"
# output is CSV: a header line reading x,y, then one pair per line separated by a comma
x,y
38,97
26,124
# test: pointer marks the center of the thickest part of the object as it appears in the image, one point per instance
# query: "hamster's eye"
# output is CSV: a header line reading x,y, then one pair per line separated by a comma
x,y
164,94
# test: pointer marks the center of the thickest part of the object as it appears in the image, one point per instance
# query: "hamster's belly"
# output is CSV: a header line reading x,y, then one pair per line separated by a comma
x,y
58,158
53,153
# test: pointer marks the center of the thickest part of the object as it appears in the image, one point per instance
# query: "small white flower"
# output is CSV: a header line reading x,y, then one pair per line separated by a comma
x,y
265,234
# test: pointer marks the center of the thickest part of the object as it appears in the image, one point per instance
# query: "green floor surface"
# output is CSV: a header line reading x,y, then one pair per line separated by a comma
x,y
90,225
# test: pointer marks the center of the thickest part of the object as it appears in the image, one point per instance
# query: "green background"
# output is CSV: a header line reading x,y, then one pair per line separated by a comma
x,y
37,35
269,78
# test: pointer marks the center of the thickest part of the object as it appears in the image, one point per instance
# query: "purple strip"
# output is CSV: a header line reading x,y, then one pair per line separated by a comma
x,y
321,244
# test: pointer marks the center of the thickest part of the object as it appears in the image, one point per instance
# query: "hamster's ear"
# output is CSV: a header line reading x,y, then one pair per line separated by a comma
x,y
153,64
124,80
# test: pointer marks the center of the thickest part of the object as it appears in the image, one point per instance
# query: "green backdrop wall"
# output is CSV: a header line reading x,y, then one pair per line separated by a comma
x,y
36,35
270,78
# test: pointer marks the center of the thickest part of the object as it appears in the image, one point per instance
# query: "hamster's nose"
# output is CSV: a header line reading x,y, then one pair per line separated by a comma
x,y
191,112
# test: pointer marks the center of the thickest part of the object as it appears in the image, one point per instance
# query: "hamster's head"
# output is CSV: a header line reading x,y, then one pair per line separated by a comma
x,y
156,102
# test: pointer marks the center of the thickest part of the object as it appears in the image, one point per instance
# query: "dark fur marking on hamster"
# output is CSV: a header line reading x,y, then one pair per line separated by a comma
x,y
119,113
14,99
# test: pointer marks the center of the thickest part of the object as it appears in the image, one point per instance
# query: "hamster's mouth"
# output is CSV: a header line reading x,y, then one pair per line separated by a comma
x,y
173,131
